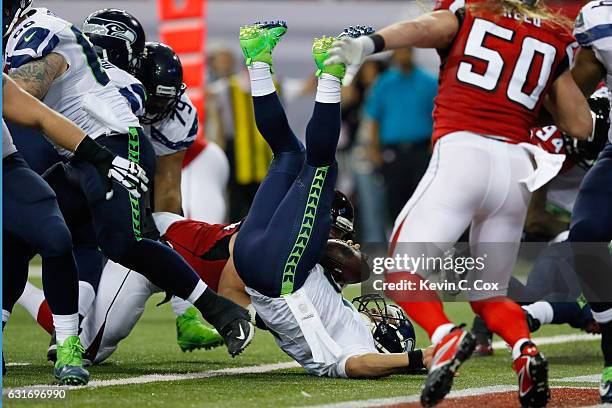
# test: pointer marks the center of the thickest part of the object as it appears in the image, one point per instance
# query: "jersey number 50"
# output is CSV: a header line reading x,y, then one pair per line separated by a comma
x,y
495,63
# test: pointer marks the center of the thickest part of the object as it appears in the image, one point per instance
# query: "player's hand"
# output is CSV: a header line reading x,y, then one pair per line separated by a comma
x,y
127,173
351,52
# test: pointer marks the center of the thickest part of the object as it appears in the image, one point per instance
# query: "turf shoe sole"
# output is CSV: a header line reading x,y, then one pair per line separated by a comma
x,y
532,370
454,349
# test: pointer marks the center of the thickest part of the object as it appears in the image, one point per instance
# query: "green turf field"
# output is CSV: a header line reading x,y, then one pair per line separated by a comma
x,y
152,349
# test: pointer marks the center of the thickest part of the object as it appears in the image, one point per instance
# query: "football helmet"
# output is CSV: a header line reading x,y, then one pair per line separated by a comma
x,y
343,214
117,36
391,329
160,71
585,152
12,11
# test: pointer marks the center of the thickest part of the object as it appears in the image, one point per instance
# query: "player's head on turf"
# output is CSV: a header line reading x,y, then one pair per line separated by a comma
x,y
343,217
12,12
393,332
160,71
117,36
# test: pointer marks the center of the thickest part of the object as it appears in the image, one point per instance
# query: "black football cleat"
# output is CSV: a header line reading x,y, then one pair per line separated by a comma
x,y
237,335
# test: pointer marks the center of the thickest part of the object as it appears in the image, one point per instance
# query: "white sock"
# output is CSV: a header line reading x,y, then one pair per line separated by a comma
x,y
440,332
197,292
179,306
65,326
542,311
31,299
5,316
328,89
87,295
261,79
516,349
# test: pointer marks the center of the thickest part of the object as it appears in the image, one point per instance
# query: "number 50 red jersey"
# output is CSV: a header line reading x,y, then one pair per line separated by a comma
x,y
497,71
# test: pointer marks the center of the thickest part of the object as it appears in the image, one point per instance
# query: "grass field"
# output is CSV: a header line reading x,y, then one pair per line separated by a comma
x,y
151,349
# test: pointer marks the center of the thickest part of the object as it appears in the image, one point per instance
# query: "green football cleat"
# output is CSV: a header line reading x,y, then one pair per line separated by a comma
x,y
320,46
192,334
605,387
258,40
69,365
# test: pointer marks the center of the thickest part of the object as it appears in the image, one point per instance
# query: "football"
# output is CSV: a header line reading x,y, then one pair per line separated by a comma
x,y
346,264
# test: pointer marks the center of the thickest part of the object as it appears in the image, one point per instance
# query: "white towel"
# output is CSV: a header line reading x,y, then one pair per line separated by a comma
x,y
548,166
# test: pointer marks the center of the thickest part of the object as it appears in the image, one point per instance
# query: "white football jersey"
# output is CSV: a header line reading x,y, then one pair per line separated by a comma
x,y
176,132
594,29
322,349
81,93
8,147
129,87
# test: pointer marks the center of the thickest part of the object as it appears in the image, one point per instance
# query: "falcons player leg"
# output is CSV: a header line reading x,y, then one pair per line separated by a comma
x,y
285,228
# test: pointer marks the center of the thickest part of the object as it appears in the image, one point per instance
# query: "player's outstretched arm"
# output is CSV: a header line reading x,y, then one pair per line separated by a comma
x,y
569,108
432,30
374,365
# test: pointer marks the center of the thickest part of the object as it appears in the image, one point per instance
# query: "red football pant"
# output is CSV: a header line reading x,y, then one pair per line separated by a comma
x,y
503,317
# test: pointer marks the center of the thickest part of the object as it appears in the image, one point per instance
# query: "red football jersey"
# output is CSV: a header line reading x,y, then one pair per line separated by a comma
x,y
204,246
495,74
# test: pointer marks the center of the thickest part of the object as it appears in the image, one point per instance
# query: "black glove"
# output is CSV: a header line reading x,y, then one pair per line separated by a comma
x,y
113,168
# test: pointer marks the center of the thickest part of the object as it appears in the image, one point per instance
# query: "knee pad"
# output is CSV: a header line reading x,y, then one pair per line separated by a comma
x,y
288,162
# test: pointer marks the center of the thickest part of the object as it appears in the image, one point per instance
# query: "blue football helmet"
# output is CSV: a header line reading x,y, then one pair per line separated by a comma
x,y
391,329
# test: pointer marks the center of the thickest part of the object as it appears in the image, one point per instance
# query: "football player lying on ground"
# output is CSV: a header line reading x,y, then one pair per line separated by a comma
x,y
208,248
280,244
28,203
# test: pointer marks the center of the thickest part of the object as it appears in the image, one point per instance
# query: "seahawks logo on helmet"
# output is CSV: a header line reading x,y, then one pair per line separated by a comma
x,y
101,26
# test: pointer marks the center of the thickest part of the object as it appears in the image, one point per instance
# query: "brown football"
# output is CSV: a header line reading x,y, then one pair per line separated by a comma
x,y
346,264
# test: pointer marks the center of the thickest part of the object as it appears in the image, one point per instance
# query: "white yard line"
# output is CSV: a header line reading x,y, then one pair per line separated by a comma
x,y
264,368
560,339
17,364
151,378
594,378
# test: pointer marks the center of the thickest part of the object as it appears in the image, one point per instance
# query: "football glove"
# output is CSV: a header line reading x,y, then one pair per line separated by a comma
x,y
113,168
351,52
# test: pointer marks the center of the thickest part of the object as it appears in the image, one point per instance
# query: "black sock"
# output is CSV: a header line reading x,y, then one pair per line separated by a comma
x,y
273,125
218,310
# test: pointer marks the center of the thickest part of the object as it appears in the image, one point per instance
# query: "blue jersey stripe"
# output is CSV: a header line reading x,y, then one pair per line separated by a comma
x,y
596,33
193,132
159,137
91,57
131,98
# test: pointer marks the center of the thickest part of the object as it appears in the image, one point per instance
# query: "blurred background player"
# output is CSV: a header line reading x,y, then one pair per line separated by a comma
x,y
591,224
482,163
68,61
